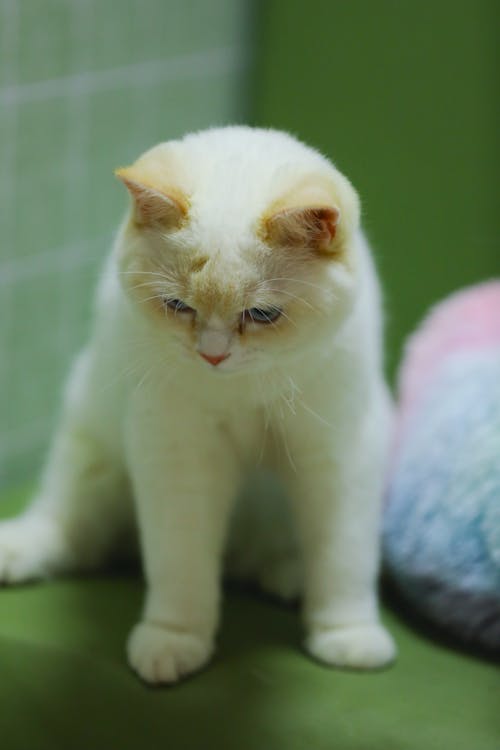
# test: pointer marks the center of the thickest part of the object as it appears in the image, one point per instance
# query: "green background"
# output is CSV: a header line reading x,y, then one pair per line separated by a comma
x,y
403,96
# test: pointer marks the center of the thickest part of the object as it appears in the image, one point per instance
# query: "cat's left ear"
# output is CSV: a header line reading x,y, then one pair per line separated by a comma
x,y
153,207
318,215
312,227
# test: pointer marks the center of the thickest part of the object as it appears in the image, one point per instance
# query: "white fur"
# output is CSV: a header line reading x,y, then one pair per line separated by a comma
x,y
145,417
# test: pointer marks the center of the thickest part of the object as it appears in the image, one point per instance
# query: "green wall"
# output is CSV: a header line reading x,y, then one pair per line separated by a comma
x,y
403,96
85,86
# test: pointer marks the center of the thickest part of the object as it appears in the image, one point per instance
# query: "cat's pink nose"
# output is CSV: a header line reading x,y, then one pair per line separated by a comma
x,y
214,359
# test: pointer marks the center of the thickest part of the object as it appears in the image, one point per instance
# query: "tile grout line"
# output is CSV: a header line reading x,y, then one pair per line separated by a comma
x,y
59,268
28,435
9,45
75,175
196,65
16,270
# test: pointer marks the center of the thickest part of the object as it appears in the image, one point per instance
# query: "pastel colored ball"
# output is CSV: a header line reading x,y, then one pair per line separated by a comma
x,y
442,518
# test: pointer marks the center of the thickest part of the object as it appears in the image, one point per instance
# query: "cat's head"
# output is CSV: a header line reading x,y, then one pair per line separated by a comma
x,y
239,246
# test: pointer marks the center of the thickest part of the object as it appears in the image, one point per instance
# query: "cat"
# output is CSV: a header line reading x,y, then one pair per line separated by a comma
x,y
237,325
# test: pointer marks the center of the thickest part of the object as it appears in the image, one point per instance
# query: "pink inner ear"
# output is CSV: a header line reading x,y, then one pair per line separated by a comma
x,y
151,206
311,226
324,226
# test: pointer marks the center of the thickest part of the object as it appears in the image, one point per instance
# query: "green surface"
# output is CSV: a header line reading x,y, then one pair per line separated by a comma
x,y
65,683
404,97
85,87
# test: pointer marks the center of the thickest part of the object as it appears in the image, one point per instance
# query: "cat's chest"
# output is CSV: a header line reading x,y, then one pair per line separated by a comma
x,y
242,431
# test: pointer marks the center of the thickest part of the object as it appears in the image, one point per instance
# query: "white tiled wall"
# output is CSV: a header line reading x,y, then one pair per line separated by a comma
x,y
85,86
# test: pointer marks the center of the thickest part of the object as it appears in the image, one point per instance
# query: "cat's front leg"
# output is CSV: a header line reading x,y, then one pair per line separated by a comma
x,y
185,476
81,515
336,489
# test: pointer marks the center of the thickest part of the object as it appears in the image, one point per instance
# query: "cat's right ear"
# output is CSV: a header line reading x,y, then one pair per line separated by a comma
x,y
152,207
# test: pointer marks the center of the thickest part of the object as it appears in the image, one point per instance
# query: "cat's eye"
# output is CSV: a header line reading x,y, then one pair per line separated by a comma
x,y
177,305
262,315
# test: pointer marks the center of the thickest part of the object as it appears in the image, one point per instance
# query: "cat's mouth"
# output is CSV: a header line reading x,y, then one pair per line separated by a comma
x,y
214,359
231,362
218,364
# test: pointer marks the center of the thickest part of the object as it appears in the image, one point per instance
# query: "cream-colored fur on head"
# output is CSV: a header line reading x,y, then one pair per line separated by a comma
x,y
203,232
237,326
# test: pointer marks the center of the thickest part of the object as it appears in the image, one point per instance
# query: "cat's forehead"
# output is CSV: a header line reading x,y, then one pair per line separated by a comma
x,y
229,178
220,284
224,271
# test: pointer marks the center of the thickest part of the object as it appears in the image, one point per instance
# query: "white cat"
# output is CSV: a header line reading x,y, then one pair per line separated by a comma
x,y
238,325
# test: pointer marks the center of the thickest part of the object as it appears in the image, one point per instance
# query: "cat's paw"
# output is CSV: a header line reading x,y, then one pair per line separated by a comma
x,y
162,656
364,646
30,548
282,578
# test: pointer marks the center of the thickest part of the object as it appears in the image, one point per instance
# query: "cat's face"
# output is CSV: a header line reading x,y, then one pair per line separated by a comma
x,y
236,297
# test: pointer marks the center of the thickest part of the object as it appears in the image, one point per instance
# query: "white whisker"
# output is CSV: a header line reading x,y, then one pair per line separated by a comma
x,y
144,378
152,284
165,276
298,281
154,296
295,296
261,388
287,450
295,388
290,402
314,414
287,317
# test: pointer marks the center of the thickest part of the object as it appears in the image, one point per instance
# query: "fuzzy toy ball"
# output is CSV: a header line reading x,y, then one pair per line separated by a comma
x,y
442,518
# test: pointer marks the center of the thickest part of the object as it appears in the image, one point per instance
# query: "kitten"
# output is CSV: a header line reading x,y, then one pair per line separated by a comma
x,y
238,324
